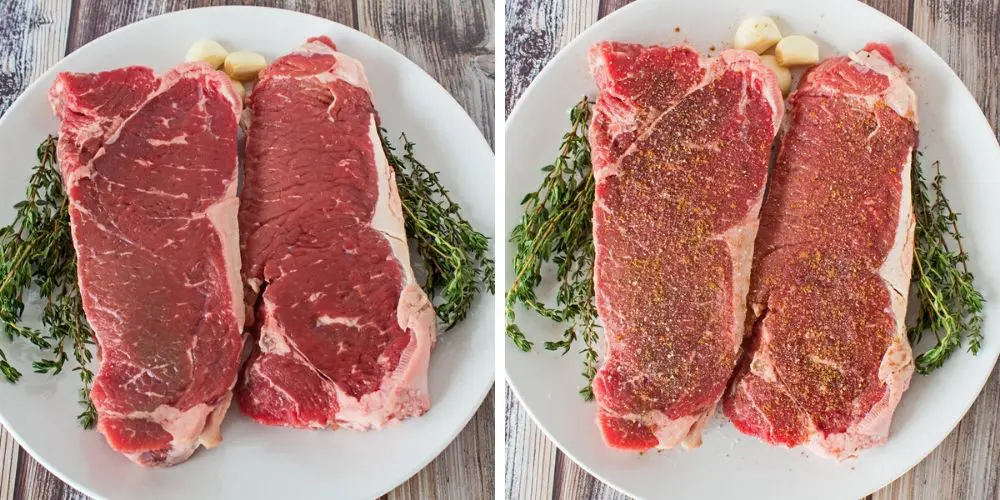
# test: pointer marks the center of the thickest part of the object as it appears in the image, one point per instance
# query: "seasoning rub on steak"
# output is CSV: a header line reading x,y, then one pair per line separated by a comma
x,y
680,151
828,358
150,166
345,332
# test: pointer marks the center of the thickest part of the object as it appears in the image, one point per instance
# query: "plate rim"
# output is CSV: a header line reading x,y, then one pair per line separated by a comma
x,y
55,67
564,53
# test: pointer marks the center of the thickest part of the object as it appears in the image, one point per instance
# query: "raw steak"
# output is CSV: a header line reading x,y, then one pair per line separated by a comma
x,y
680,151
828,357
345,332
150,165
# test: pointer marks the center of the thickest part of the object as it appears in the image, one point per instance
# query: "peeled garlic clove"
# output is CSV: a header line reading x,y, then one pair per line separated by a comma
x,y
240,89
783,74
208,51
796,50
244,66
757,34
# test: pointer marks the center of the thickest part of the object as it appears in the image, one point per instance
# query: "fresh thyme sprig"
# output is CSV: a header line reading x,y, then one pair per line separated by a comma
x,y
456,256
37,250
950,307
556,227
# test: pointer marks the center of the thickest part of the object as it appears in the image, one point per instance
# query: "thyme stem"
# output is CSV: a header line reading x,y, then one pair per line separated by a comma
x,y
556,228
949,306
456,255
36,250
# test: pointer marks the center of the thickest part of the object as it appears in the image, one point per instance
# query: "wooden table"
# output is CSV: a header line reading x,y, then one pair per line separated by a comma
x,y
454,45
965,33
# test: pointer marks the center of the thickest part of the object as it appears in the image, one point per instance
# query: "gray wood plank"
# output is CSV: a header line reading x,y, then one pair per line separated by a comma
x,y
8,465
453,44
97,17
536,30
530,466
966,33
35,482
966,465
897,9
576,483
459,50
32,38
609,6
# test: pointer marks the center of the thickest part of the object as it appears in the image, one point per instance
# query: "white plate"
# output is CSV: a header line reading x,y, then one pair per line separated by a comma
x,y
730,465
256,461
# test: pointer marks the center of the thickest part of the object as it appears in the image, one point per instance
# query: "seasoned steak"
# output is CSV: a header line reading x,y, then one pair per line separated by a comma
x,y
828,358
680,151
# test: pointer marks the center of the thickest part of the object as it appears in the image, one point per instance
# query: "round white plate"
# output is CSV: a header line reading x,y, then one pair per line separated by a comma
x,y
730,465
255,461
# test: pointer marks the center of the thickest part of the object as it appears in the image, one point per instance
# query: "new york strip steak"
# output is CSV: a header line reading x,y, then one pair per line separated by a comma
x,y
345,332
680,150
150,166
828,358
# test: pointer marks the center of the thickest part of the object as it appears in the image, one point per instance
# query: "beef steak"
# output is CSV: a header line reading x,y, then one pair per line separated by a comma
x,y
345,332
680,151
828,358
150,166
